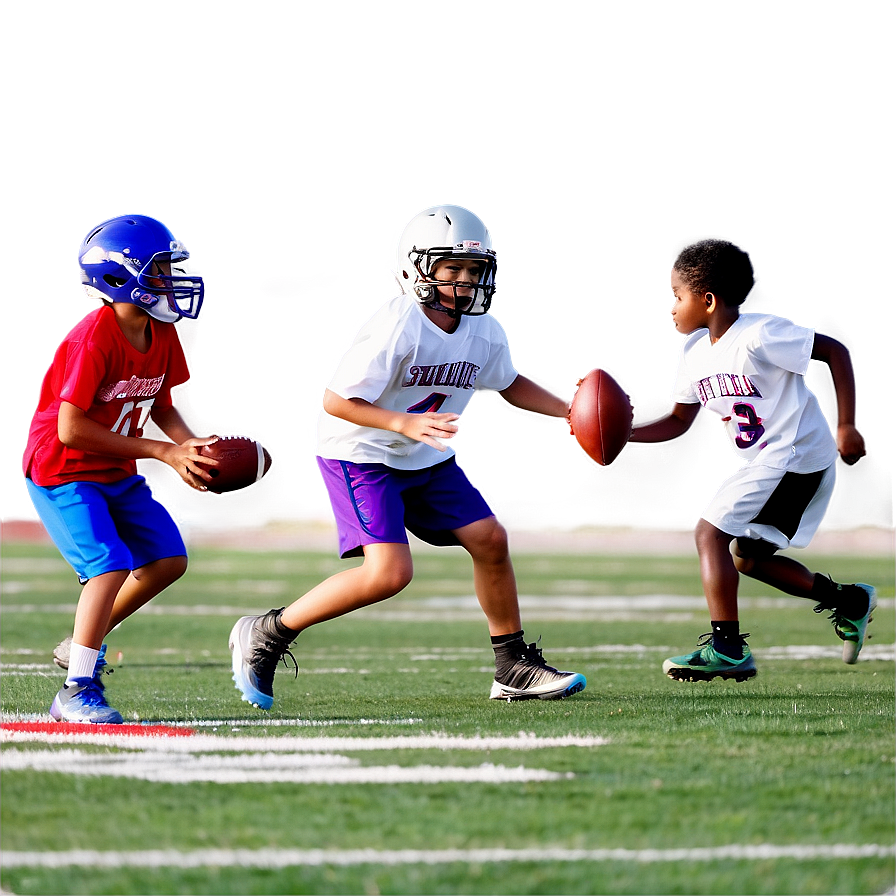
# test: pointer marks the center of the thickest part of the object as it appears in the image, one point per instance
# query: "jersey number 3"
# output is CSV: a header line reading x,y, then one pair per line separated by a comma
x,y
750,431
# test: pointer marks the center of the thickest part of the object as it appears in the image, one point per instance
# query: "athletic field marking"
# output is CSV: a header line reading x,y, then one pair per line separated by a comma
x,y
262,768
435,607
286,858
55,729
18,719
208,743
871,651
236,724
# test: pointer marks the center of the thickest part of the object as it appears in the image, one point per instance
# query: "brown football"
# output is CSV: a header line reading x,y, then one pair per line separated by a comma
x,y
601,416
241,461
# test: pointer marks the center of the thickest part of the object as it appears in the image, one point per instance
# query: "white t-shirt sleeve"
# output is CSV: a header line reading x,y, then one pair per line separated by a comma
x,y
784,344
499,372
684,392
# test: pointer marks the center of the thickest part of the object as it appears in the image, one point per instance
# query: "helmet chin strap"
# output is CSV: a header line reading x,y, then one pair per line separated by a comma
x,y
455,313
436,305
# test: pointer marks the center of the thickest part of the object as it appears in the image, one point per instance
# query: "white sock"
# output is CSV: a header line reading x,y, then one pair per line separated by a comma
x,y
81,663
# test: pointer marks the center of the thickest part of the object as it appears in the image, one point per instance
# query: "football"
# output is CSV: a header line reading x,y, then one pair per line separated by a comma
x,y
601,416
241,461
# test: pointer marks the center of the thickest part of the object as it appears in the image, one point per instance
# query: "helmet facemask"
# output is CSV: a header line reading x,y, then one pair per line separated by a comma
x,y
165,285
427,285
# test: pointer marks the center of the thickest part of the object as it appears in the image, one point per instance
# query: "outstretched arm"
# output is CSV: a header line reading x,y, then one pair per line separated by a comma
x,y
850,443
674,424
523,393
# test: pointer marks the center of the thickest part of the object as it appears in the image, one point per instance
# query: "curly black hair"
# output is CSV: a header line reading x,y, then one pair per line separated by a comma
x,y
718,267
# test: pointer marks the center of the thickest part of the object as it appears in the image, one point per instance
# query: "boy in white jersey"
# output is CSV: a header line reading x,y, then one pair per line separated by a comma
x,y
396,394
750,369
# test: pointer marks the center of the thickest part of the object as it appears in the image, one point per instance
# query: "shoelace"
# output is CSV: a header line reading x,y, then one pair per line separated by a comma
x,y
705,640
535,654
845,630
266,656
532,655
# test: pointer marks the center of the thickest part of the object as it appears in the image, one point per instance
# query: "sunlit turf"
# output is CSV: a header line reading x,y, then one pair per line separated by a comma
x,y
803,754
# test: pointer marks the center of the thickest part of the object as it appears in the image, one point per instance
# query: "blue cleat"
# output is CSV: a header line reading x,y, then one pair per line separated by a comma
x,y
83,701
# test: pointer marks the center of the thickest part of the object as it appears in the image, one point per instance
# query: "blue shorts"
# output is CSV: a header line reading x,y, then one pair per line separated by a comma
x,y
375,504
102,527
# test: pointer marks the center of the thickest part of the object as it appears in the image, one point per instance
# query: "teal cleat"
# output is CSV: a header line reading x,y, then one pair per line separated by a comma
x,y
852,631
706,663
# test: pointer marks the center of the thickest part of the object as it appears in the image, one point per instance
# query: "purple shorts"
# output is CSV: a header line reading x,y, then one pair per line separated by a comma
x,y
376,504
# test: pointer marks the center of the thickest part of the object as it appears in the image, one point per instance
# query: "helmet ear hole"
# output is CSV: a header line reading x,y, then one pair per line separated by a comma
x,y
114,282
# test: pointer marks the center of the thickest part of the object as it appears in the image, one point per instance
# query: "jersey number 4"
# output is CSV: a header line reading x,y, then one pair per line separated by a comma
x,y
429,405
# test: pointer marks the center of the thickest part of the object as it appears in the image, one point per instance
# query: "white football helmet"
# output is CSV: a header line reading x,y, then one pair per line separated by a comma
x,y
446,231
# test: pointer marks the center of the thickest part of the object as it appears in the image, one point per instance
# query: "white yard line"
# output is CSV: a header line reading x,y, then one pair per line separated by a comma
x,y
545,605
285,858
262,768
209,743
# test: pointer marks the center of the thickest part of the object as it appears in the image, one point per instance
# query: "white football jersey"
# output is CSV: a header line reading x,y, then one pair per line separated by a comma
x,y
754,378
402,361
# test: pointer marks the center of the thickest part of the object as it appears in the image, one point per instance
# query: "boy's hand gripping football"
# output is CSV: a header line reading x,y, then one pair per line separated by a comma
x,y
429,428
189,463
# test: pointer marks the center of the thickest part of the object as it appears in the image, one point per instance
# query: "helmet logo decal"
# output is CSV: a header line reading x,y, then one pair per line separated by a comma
x,y
471,245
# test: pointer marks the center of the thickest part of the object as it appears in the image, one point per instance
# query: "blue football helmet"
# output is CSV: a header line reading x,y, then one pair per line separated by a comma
x,y
440,233
136,259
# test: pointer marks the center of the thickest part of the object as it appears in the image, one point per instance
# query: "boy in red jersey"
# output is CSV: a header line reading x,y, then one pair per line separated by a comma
x,y
113,372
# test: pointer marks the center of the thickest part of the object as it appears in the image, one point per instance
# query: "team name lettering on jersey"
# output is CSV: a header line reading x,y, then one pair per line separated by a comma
x,y
721,385
460,374
135,387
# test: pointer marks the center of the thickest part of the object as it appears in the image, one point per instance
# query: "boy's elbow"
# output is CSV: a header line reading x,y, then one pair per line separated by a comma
x,y
67,434
330,402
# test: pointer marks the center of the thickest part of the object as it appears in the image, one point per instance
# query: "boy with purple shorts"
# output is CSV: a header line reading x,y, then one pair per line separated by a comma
x,y
396,394
113,372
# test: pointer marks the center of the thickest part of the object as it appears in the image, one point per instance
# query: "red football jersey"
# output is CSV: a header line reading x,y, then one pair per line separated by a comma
x,y
99,371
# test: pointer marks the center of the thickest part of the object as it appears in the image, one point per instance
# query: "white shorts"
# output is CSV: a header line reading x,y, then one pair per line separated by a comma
x,y
782,508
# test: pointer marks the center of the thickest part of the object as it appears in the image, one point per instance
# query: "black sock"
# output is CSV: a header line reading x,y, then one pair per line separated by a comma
x,y
508,649
727,640
283,631
825,591
849,600
498,640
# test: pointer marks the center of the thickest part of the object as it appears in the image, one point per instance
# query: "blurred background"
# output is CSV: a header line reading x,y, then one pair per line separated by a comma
x,y
287,144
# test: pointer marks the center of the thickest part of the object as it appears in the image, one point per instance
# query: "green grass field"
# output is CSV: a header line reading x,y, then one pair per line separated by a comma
x,y
384,769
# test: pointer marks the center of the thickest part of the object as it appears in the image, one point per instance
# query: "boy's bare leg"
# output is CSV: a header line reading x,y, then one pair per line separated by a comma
x,y
783,573
386,570
493,576
94,608
717,572
259,643
521,672
143,584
